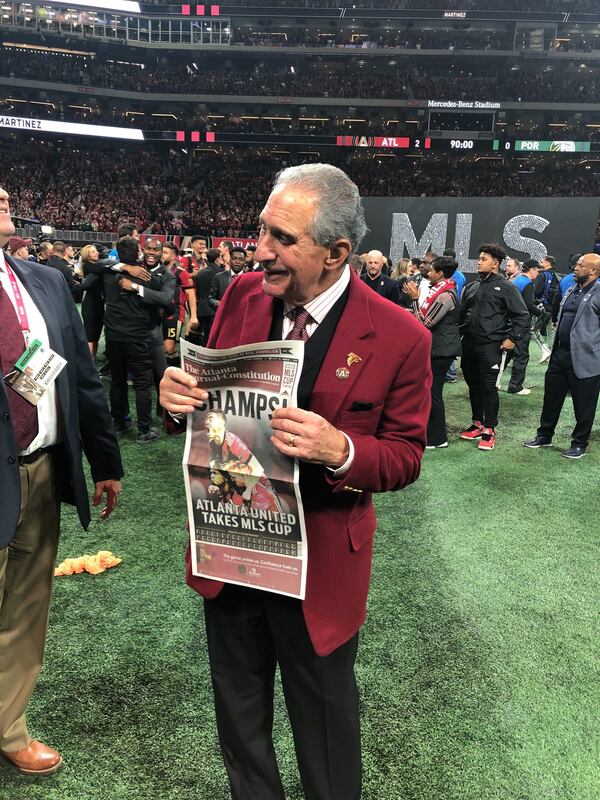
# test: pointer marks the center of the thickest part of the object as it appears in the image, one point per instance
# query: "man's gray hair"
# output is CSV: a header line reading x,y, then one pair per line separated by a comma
x,y
339,213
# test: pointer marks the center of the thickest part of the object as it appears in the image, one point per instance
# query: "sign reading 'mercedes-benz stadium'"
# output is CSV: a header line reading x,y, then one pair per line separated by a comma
x,y
78,128
490,105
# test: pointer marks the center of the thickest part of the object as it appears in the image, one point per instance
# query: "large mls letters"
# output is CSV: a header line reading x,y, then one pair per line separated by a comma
x,y
528,227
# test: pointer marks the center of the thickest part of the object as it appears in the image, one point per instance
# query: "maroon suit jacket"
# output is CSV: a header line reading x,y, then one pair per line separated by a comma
x,y
394,376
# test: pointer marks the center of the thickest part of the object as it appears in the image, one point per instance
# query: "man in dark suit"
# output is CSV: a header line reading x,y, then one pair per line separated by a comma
x,y
40,466
204,311
575,361
221,281
360,428
374,277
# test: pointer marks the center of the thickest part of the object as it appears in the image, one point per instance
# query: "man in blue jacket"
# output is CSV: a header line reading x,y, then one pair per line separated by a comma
x,y
575,362
40,466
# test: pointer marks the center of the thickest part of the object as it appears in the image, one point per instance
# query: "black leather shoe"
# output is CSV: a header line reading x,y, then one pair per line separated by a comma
x,y
574,452
538,441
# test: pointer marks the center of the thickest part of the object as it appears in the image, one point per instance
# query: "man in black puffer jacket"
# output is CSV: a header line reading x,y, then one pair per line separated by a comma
x,y
493,318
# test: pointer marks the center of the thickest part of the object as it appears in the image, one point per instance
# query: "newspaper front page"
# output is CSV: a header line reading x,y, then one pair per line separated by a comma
x,y
244,506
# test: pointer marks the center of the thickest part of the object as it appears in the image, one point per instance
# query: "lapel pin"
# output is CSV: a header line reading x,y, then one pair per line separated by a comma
x,y
342,373
353,359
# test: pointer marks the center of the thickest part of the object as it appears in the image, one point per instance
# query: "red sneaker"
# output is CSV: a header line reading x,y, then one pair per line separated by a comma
x,y
487,439
472,433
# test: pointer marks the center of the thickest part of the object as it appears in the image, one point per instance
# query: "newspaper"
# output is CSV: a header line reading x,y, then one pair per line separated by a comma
x,y
244,506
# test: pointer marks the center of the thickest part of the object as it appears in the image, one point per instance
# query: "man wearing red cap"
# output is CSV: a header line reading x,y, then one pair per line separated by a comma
x,y
19,248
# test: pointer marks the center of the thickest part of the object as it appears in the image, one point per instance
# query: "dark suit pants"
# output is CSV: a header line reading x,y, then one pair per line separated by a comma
x,y
560,379
519,360
137,359
436,427
203,330
249,632
480,364
159,365
26,572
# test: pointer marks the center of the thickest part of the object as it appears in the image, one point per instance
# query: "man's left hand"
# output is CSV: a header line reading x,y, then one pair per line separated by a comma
x,y
126,285
307,436
411,289
508,345
191,323
112,490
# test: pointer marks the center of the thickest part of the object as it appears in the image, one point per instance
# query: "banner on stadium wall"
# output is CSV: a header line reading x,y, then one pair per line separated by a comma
x,y
528,227
215,241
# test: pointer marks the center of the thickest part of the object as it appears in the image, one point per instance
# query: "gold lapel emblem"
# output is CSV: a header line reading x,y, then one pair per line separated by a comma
x,y
353,359
342,373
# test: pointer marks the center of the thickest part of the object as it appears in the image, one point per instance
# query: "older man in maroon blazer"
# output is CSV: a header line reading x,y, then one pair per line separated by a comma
x,y
360,428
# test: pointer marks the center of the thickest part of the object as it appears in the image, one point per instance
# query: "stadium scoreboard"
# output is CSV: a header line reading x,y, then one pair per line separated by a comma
x,y
411,145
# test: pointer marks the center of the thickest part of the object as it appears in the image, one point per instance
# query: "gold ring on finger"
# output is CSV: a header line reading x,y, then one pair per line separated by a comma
x,y
291,439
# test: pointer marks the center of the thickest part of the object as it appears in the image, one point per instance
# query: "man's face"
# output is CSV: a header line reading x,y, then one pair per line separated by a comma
x,y
584,270
533,274
425,265
168,256
545,264
486,264
250,260
296,268
199,248
237,262
374,265
152,252
225,255
511,268
7,229
22,252
215,428
136,234
69,252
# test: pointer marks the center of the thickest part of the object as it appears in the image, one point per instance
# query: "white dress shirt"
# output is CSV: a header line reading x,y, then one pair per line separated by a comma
x,y
318,309
48,426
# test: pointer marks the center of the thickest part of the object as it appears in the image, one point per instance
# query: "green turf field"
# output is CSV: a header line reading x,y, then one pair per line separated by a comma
x,y
478,665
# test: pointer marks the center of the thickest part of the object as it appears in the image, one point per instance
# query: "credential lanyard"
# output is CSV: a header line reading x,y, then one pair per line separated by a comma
x,y
21,312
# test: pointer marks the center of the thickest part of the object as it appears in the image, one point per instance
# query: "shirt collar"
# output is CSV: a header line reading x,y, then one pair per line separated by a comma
x,y
322,304
2,261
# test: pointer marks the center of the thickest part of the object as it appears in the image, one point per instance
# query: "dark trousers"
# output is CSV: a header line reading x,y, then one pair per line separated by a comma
x,y
436,427
560,379
159,365
480,364
135,358
202,332
249,632
519,360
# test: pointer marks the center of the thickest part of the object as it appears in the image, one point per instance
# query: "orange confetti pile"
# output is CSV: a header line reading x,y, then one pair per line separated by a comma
x,y
104,559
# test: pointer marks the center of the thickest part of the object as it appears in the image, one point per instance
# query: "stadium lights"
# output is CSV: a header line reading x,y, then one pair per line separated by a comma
x,y
127,6
47,230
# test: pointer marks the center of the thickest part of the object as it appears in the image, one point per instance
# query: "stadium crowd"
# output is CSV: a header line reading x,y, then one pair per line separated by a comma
x,y
479,81
69,189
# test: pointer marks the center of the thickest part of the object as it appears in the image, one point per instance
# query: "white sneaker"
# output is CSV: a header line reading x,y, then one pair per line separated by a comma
x,y
545,355
524,392
436,446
